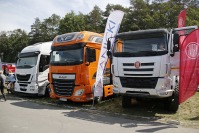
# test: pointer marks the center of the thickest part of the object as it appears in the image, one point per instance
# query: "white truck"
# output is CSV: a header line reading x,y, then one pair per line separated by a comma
x,y
32,69
145,64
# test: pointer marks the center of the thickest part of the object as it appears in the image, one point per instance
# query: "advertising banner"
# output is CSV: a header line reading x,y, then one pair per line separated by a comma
x,y
112,28
189,66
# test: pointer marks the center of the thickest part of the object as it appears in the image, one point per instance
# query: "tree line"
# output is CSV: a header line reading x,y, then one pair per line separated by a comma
x,y
141,14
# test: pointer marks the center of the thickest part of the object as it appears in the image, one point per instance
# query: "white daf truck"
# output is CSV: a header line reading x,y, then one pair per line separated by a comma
x,y
32,69
145,64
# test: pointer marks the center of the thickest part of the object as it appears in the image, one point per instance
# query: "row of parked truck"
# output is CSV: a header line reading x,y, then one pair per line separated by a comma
x,y
64,69
145,64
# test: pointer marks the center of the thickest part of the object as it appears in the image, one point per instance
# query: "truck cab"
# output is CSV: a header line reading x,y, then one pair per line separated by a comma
x,y
32,69
73,66
146,65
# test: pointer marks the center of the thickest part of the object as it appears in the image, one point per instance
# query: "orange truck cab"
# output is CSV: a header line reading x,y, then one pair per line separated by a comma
x,y
73,66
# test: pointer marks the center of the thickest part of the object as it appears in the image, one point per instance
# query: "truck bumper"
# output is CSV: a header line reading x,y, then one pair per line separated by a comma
x,y
143,92
85,97
29,88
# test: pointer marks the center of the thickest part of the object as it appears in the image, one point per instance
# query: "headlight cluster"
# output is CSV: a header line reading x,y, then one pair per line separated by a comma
x,y
79,92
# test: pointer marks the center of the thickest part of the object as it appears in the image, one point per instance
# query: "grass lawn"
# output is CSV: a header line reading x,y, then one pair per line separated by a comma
x,y
187,114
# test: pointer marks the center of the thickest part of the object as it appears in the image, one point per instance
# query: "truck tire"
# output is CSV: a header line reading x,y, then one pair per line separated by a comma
x,y
47,91
172,103
126,101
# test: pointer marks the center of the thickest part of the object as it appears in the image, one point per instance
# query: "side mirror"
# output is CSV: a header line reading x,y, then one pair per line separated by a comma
x,y
175,38
175,43
108,48
108,45
90,55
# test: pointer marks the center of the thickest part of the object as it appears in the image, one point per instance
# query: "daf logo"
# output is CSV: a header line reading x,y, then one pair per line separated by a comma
x,y
137,64
62,77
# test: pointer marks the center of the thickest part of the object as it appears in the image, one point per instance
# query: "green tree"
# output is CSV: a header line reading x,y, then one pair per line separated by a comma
x,y
94,20
49,28
192,16
12,43
35,34
44,31
3,43
139,16
111,7
72,23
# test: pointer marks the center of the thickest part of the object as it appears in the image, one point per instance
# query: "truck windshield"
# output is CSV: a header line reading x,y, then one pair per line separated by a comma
x,y
141,46
67,57
27,62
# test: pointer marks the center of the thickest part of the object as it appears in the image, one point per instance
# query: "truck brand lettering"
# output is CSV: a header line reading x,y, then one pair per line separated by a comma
x,y
62,77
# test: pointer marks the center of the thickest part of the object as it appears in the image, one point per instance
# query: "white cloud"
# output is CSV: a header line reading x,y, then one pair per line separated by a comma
x,y
21,14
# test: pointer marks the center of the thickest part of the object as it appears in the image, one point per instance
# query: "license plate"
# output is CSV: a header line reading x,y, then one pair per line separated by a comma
x,y
63,99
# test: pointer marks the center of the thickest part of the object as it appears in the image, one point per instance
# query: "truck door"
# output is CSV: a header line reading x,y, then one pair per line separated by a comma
x,y
175,35
43,71
175,57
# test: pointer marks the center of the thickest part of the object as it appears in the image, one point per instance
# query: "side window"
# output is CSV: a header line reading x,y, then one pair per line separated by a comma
x,y
44,62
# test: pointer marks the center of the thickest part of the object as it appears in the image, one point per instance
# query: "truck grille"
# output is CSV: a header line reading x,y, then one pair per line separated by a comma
x,y
136,82
146,69
23,77
63,87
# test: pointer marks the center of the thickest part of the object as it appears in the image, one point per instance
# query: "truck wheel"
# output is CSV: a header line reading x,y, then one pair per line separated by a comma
x,y
173,101
126,101
47,91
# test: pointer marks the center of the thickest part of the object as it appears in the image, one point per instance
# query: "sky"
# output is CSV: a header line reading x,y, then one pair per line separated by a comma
x,y
21,14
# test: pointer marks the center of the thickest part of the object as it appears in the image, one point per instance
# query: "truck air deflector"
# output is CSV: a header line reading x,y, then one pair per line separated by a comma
x,y
28,54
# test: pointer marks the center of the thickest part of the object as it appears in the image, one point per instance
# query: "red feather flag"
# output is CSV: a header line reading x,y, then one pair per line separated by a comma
x,y
189,66
181,23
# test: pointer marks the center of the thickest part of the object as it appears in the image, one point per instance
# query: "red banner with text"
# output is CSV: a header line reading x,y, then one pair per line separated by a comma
x,y
189,66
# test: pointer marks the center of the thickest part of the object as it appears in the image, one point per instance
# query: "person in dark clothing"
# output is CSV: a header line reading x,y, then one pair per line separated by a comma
x,y
5,72
2,80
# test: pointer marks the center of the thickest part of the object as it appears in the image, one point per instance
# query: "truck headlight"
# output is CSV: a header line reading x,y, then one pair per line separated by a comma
x,y
115,84
79,92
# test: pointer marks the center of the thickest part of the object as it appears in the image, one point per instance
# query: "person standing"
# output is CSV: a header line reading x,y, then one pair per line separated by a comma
x,y
2,84
5,72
